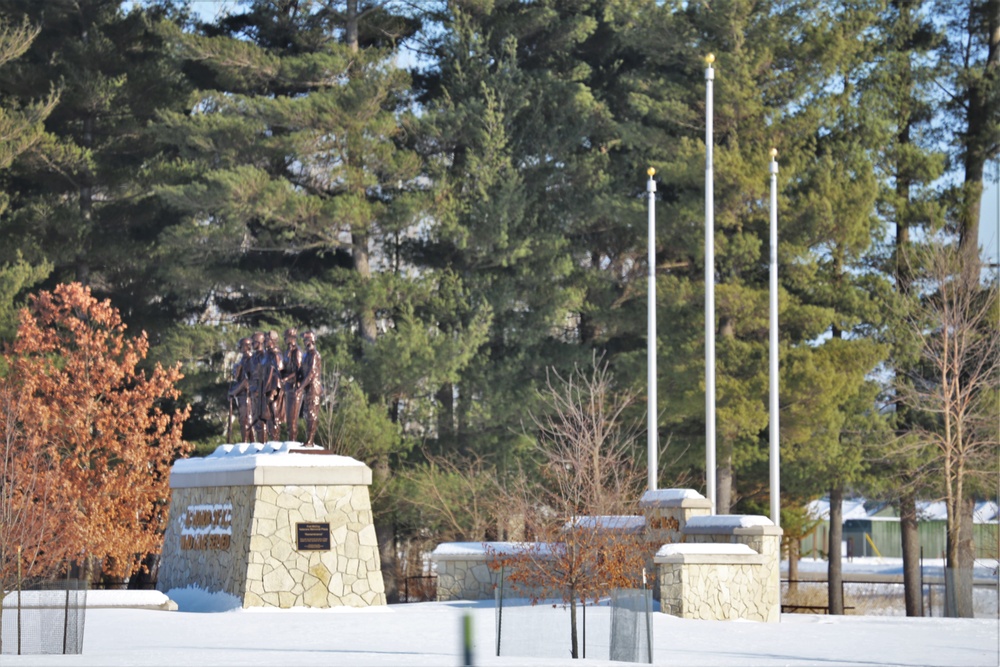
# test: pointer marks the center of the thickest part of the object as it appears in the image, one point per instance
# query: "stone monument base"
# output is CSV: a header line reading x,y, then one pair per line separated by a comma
x,y
276,525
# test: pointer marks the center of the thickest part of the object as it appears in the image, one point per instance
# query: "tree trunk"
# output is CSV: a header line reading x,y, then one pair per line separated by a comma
x,y
362,266
794,553
445,398
575,650
834,576
86,193
959,559
360,252
385,535
980,135
724,478
910,542
963,576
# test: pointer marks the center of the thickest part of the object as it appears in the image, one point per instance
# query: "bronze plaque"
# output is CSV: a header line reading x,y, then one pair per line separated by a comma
x,y
312,536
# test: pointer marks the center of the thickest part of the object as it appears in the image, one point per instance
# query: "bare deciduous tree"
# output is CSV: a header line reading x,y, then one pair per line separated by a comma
x,y
956,387
458,497
581,512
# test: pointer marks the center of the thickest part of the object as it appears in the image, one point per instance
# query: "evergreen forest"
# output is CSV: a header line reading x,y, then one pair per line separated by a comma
x,y
452,195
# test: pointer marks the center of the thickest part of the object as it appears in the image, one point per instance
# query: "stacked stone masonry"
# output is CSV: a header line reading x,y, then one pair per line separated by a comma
x,y
256,556
712,584
465,579
720,567
464,573
719,585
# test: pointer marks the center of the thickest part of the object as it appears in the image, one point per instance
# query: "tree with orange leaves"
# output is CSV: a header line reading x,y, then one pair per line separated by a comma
x,y
86,408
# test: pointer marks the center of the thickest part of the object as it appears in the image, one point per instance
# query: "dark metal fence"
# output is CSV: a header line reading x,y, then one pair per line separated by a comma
x,y
883,595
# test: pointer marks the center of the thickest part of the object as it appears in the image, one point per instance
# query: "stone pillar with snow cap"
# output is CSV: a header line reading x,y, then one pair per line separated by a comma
x,y
277,524
667,511
757,532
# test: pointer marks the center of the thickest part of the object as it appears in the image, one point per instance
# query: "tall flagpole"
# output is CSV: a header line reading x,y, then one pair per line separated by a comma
x,y
709,290
773,348
651,409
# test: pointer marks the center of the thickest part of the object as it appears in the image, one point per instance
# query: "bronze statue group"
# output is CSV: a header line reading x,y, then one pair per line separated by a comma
x,y
271,387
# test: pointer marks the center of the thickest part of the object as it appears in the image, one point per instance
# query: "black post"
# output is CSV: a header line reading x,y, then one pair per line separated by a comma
x,y
66,610
500,610
648,595
467,638
922,581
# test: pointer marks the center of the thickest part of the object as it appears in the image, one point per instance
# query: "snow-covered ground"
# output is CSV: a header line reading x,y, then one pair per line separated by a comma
x,y
208,630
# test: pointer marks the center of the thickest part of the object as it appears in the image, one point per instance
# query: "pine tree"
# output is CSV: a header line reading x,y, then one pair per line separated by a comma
x,y
901,86
80,198
509,125
970,56
22,128
780,73
299,193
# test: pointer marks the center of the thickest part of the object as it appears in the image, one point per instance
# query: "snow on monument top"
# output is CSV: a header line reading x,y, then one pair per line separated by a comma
x,y
671,497
304,465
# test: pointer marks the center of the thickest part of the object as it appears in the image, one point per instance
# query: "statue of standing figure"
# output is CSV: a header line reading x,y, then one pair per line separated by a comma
x,y
239,392
257,363
290,378
270,387
310,389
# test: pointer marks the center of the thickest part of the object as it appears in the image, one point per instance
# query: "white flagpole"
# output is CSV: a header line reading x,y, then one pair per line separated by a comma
x,y
709,290
651,410
773,348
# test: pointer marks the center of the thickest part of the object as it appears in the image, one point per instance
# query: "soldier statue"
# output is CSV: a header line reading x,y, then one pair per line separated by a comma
x,y
257,370
270,387
290,377
310,389
239,392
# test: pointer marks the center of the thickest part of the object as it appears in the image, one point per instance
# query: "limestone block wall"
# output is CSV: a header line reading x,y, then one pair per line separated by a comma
x,y
756,532
728,567
235,522
463,571
712,582
188,559
715,567
349,574
466,578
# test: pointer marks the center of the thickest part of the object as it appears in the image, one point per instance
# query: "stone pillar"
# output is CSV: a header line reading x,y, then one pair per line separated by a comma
x,y
276,525
712,582
668,511
757,532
